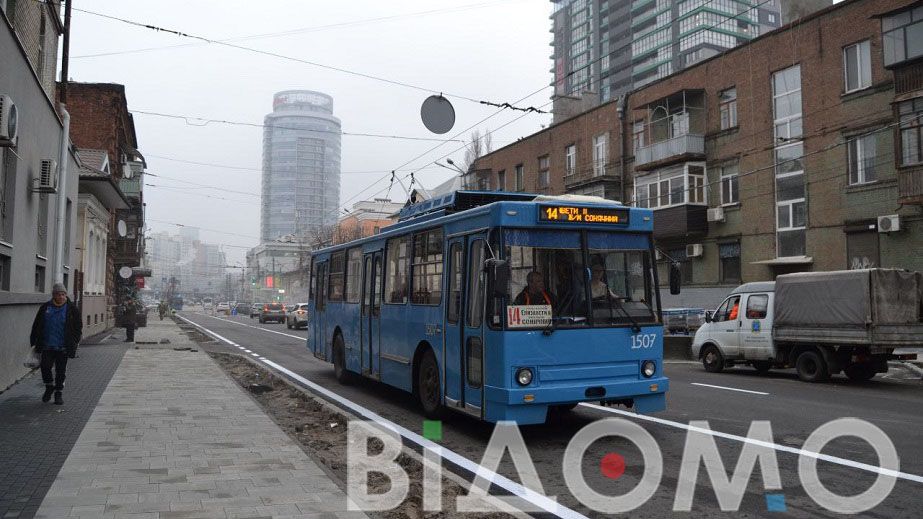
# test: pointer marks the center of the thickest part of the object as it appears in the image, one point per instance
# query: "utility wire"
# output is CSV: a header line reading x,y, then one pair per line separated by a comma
x,y
284,57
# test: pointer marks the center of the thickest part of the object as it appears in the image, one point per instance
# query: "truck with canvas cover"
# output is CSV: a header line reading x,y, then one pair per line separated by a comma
x,y
821,323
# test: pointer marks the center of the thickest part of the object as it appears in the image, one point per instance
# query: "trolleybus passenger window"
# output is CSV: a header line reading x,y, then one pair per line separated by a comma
x,y
476,277
426,268
353,275
398,259
337,275
455,282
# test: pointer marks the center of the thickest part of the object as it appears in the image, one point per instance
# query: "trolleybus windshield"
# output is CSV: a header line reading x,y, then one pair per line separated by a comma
x,y
606,282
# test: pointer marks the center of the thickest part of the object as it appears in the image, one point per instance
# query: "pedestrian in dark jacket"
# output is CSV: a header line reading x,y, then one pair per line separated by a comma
x,y
130,318
56,333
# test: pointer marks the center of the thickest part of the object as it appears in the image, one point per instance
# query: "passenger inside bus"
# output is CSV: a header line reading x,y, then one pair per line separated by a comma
x,y
534,292
598,287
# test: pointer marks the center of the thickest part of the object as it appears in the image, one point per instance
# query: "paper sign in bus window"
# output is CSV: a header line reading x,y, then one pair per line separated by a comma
x,y
528,316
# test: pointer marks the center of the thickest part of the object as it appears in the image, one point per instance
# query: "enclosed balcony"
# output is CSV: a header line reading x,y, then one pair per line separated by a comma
x,y
678,196
673,131
910,185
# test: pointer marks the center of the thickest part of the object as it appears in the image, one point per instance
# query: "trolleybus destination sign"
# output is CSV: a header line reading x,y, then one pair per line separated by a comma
x,y
573,214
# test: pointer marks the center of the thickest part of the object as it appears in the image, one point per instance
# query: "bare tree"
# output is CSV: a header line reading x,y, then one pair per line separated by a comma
x,y
479,146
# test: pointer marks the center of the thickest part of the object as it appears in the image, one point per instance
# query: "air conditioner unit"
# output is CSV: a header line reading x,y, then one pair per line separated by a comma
x,y
889,223
8,121
47,181
694,250
716,214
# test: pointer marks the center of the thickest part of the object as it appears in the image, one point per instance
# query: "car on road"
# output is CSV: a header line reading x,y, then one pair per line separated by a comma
x,y
297,316
243,308
223,308
272,312
255,310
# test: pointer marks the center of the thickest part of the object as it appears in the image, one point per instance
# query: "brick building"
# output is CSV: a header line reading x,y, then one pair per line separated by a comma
x,y
798,151
100,120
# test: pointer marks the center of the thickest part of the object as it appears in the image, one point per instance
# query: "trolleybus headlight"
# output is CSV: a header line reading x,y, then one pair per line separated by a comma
x,y
648,368
524,376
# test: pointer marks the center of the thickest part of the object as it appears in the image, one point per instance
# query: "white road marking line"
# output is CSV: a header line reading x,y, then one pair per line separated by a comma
x,y
512,487
300,338
782,448
247,351
729,388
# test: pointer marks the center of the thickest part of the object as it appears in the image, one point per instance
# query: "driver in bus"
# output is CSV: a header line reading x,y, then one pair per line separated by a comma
x,y
534,292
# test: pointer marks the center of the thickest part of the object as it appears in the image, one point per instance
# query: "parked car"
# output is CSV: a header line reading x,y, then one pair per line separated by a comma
x,y
223,308
272,312
297,316
243,308
820,323
255,310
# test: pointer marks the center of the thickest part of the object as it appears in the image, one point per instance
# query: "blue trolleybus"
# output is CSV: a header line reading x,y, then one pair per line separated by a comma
x,y
499,305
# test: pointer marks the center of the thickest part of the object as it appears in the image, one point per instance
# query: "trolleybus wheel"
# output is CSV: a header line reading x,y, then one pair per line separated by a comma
x,y
342,375
428,385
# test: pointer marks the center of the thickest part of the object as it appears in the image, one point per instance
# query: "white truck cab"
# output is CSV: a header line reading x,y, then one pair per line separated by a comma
x,y
740,330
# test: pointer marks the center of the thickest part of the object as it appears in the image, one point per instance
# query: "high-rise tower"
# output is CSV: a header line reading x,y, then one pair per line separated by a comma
x,y
301,165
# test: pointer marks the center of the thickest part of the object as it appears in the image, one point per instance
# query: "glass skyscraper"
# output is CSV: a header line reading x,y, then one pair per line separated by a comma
x,y
301,165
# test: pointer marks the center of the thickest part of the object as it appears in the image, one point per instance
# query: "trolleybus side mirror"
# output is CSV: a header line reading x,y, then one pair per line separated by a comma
x,y
498,277
676,278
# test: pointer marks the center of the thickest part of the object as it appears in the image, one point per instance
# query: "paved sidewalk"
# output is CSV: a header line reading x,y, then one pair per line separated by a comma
x,y
36,438
174,437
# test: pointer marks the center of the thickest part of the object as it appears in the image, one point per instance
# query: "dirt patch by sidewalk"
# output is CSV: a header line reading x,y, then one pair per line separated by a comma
x,y
321,430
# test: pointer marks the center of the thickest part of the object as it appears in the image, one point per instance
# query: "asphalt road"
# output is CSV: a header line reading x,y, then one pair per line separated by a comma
x,y
729,402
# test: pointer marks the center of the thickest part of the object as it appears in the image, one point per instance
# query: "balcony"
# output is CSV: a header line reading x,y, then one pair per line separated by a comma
x,y
910,185
610,172
681,221
676,149
131,187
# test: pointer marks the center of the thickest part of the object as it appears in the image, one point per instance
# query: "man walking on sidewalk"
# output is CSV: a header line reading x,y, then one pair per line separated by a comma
x,y
129,318
56,333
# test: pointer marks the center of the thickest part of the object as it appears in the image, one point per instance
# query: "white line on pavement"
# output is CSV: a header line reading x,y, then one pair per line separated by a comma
x,y
729,388
300,338
782,448
543,502
247,351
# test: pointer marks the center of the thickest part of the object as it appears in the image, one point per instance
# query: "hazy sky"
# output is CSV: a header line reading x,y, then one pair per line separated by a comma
x,y
491,50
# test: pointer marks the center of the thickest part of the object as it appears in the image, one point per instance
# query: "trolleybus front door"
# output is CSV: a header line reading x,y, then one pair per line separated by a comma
x,y
463,358
370,321
318,320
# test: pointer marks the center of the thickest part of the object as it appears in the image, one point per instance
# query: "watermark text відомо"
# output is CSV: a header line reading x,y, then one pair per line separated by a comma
x,y
700,450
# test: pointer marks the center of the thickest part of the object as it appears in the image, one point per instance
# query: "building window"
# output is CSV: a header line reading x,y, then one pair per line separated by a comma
x,y
570,160
729,262
670,187
857,66
7,190
40,278
544,176
5,262
786,94
637,135
902,36
426,268
861,152
600,154
727,106
519,179
911,128
398,256
353,275
730,191
501,180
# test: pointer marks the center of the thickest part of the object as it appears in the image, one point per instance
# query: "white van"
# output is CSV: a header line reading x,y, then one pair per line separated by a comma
x,y
740,330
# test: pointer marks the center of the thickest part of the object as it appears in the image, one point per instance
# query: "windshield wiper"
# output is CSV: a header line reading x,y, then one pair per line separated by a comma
x,y
553,324
635,327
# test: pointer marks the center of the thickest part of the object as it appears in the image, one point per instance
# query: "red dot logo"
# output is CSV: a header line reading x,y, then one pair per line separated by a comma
x,y
612,465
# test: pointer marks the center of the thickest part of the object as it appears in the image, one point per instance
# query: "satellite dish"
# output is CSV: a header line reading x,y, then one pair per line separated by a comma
x,y
122,228
438,114
125,272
